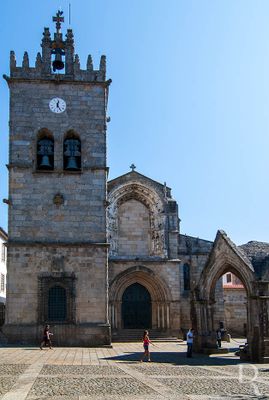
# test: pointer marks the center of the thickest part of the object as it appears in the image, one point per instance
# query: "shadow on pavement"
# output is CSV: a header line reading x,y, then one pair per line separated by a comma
x,y
176,359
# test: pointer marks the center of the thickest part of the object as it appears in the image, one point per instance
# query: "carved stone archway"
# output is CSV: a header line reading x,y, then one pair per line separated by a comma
x,y
157,218
225,257
157,289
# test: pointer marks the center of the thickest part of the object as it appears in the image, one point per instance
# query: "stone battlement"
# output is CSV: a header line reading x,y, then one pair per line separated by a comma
x,y
44,66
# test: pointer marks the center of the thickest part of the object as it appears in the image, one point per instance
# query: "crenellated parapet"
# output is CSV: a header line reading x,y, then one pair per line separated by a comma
x,y
57,60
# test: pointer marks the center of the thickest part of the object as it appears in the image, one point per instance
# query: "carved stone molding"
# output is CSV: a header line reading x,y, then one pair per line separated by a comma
x,y
155,205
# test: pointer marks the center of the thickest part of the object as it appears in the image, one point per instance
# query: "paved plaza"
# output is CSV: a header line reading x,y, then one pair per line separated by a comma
x,y
117,373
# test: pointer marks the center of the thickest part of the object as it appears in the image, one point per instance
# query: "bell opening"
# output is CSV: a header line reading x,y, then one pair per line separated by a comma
x,y
72,154
45,154
57,65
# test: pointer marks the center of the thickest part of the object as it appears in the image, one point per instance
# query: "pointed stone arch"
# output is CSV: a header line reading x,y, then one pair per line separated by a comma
x,y
224,257
157,288
151,199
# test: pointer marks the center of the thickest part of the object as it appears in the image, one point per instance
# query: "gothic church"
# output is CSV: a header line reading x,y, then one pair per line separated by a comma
x,y
92,257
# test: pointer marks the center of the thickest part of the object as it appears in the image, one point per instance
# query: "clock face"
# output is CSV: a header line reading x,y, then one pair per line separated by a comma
x,y
57,105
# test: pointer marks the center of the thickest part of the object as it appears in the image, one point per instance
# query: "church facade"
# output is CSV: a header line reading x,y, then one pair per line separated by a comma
x,y
92,257
148,258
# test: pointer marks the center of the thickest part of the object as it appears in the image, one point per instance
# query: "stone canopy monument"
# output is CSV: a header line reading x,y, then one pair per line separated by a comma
x,y
100,260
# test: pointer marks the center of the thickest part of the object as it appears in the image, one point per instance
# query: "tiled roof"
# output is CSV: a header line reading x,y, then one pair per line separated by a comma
x,y
255,249
258,253
232,286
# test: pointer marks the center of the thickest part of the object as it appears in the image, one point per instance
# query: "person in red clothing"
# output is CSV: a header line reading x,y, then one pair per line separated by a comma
x,y
146,343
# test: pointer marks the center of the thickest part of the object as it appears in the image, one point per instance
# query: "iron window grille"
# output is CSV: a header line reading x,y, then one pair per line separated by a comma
x,y
57,298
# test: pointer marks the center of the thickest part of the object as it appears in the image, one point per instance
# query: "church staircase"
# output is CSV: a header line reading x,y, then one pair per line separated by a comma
x,y
135,335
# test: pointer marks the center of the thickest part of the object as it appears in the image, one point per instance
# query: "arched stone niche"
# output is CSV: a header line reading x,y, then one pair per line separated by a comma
x,y
158,290
157,218
225,258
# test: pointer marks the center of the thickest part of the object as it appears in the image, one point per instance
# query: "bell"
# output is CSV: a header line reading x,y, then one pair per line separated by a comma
x,y
72,164
45,162
57,63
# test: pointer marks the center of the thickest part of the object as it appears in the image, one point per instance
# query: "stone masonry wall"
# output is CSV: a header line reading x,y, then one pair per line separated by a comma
x,y
134,228
196,264
235,310
33,214
27,264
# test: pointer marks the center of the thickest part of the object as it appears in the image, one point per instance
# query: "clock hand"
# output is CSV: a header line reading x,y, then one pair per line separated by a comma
x,y
57,104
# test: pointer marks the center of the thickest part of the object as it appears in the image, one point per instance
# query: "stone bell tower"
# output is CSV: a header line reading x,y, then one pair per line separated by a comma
x,y
57,247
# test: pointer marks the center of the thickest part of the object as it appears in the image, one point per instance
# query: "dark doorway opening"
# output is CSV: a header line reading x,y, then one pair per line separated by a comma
x,y
136,307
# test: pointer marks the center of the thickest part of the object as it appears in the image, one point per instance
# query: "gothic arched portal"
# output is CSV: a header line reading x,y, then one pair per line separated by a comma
x,y
136,307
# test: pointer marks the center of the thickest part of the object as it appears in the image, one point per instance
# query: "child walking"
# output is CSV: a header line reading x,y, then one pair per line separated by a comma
x,y
146,343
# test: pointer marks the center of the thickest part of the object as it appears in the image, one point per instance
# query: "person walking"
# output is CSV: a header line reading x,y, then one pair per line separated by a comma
x,y
218,337
46,337
189,342
146,342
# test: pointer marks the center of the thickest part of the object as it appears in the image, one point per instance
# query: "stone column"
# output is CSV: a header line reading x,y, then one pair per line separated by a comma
x,y
168,316
158,316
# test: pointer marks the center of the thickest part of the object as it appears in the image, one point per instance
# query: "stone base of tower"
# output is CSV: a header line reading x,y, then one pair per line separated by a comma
x,y
84,335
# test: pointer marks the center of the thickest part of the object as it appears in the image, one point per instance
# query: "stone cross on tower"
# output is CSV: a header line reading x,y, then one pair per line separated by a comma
x,y
133,167
58,45
58,19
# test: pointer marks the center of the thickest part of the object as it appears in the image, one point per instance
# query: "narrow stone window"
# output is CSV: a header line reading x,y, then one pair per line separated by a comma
x,y
45,151
186,277
72,152
57,304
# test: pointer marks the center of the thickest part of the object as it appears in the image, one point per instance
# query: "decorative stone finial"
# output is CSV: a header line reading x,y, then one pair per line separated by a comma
x,y
46,36
103,63
133,167
12,59
38,61
69,36
25,61
89,63
46,52
77,62
69,52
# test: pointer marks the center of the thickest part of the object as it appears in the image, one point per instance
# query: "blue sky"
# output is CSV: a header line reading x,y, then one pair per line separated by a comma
x,y
189,102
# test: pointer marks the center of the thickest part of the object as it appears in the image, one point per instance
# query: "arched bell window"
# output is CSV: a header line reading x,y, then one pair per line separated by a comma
x,y
72,152
186,277
45,151
57,303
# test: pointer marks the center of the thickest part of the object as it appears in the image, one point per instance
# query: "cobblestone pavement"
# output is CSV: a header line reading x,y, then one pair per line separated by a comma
x,y
27,373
